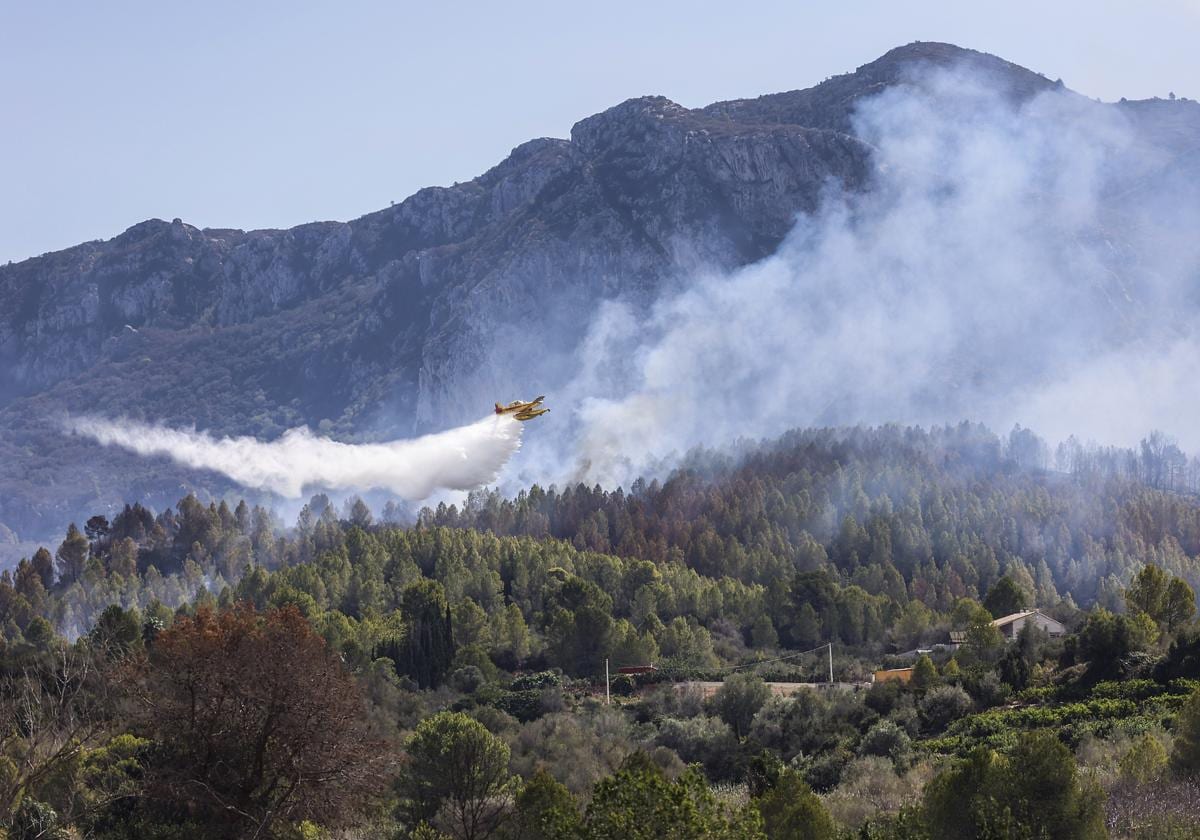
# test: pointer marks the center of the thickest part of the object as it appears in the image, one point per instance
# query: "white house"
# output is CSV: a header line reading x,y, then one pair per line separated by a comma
x,y
1010,626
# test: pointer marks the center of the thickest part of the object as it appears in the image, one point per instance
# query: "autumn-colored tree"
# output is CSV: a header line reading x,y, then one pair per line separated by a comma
x,y
259,723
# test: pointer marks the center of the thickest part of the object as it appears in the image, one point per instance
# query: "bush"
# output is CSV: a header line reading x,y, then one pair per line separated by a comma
x,y
805,723
824,772
640,801
871,789
706,741
581,749
988,690
882,697
623,685
1182,659
739,699
35,820
1145,761
523,705
537,681
944,705
468,680
887,740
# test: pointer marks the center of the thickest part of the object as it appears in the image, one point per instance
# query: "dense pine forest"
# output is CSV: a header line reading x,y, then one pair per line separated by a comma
x,y
211,671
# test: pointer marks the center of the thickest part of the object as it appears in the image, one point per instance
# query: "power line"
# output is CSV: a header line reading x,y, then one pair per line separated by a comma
x,y
781,658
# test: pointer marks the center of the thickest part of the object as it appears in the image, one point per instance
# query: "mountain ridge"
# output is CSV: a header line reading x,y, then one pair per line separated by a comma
x,y
408,317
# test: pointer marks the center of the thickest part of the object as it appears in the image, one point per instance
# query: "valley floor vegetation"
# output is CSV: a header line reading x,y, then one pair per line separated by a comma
x,y
208,672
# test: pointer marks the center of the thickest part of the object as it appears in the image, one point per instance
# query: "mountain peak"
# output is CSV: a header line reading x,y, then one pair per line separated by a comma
x,y
903,60
830,104
633,115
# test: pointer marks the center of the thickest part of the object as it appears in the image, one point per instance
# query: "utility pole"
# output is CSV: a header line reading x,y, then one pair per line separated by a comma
x,y
607,683
831,663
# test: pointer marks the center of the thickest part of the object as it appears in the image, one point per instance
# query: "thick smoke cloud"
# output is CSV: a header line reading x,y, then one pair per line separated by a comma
x,y
1024,262
457,459
1009,265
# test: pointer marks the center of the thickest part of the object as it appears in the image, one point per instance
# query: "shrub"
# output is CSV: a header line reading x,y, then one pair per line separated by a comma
x,y
989,691
944,705
35,820
739,699
1145,761
887,740
468,680
623,685
707,741
824,772
537,681
523,705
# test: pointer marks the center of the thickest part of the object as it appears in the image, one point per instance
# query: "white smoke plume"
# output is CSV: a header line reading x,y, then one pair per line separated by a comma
x,y
457,459
1012,263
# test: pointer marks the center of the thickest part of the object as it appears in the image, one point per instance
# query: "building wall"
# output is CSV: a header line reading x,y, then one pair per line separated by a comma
x,y
1045,622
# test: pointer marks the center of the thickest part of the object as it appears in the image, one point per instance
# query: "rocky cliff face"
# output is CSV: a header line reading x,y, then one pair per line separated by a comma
x,y
414,316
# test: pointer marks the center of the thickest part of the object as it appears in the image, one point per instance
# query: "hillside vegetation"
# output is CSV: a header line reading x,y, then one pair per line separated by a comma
x,y
205,671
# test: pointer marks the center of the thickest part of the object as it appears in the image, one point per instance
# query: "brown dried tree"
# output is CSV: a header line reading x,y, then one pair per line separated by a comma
x,y
259,722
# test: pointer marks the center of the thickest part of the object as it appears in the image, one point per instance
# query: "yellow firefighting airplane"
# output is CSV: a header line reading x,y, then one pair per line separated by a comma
x,y
523,410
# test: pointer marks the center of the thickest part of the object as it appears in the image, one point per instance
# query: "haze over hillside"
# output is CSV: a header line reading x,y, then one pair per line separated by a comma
x,y
938,235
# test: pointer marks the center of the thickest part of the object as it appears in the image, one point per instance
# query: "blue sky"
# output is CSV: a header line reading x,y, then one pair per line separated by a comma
x,y
269,114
